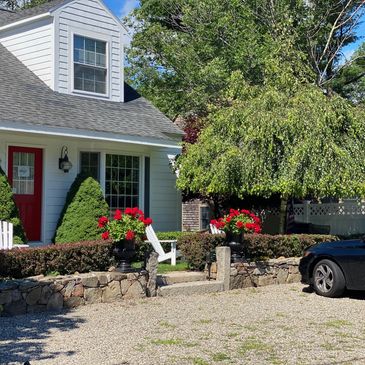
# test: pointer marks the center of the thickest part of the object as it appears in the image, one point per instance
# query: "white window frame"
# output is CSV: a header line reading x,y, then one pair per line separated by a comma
x,y
98,37
141,190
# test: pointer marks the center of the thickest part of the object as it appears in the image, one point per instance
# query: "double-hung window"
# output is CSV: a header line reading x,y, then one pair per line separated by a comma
x,y
90,65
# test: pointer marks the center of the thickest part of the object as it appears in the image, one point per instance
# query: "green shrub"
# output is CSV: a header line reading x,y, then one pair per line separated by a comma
x,y
8,210
174,235
195,247
64,259
263,246
85,203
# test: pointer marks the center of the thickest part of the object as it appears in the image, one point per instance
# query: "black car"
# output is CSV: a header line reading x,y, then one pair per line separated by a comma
x,y
332,267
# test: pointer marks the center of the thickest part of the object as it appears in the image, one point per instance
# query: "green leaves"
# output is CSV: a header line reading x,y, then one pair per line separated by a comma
x,y
295,143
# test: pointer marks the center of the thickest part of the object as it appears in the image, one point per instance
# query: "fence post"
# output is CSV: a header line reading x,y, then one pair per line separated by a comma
x,y
306,211
224,265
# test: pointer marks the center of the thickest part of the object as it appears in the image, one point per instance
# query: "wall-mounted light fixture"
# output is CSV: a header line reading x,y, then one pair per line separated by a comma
x,y
63,162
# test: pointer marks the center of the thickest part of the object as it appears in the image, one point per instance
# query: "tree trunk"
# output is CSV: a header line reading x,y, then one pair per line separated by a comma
x,y
282,215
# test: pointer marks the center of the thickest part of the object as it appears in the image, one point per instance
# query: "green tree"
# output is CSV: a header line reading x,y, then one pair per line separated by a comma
x,y
351,81
183,51
293,141
84,205
8,210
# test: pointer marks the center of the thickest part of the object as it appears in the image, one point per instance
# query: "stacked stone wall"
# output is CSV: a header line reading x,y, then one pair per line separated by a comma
x,y
262,273
42,293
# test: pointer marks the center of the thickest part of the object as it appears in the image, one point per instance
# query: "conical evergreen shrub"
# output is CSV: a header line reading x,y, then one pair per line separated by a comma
x,y
8,210
85,203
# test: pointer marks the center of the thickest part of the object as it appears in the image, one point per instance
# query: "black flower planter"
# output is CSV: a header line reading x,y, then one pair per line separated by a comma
x,y
124,251
235,242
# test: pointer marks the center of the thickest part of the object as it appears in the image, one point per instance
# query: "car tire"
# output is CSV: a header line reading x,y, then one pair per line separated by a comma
x,y
328,279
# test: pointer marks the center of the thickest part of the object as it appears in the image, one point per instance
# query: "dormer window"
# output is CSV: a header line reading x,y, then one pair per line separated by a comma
x,y
90,65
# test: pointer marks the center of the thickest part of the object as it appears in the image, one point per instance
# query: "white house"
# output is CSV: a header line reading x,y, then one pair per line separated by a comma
x,y
62,92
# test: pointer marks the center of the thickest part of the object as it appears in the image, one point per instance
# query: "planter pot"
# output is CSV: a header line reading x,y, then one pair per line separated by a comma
x,y
124,251
235,242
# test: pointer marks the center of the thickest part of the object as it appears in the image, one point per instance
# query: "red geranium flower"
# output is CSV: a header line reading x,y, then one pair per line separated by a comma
x,y
147,221
130,235
118,215
105,235
239,224
102,222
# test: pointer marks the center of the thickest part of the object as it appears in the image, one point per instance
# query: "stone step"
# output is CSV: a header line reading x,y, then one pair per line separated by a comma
x,y
197,287
176,277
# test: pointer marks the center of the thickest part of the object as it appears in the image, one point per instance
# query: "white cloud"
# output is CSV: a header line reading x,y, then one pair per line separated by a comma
x,y
128,6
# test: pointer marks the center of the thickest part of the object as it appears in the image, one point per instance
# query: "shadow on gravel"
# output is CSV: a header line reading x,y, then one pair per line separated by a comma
x,y
23,338
351,294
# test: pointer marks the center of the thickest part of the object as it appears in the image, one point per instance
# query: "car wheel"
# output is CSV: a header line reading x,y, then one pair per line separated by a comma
x,y
328,279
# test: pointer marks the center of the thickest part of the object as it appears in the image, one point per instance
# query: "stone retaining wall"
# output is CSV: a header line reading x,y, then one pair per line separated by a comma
x,y
276,271
38,294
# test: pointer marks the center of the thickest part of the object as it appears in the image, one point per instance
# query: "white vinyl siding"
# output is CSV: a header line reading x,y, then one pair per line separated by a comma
x,y
32,45
90,19
165,199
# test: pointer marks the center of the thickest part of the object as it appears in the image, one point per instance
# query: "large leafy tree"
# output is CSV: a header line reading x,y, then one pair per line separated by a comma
x,y
184,51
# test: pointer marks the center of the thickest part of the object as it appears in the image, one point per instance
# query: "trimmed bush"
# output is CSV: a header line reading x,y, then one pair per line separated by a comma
x,y
195,247
65,259
264,246
8,210
174,235
85,204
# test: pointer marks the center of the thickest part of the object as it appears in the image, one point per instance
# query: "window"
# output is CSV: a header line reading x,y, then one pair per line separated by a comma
x,y
204,217
90,68
89,164
122,181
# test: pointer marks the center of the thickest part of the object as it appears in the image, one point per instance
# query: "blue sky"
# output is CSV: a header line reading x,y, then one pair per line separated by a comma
x,y
122,7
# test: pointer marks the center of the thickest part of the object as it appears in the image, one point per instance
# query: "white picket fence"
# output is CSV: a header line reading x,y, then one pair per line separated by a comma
x,y
344,218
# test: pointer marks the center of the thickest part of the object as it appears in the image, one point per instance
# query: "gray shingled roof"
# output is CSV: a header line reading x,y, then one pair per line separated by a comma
x,y
24,98
7,17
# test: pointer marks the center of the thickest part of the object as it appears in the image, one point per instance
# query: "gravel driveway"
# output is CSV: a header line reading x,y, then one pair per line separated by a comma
x,y
270,325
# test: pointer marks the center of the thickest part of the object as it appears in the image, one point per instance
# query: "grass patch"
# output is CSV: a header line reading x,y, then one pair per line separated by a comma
x,y
232,334
254,344
172,341
167,324
220,356
199,361
337,323
163,267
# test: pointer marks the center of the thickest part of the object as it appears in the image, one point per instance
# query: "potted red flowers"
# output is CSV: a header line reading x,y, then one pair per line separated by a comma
x,y
235,224
125,230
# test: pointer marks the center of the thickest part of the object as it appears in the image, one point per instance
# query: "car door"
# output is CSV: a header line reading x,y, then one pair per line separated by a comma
x,y
352,261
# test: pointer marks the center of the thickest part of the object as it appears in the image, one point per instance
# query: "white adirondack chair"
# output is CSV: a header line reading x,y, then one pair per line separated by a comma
x,y
215,230
6,235
156,244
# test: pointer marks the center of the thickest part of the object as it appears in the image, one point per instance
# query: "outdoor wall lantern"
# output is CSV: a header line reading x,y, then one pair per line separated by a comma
x,y
63,162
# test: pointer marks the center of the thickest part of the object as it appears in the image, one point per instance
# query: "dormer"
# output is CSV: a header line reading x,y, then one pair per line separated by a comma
x,y
74,46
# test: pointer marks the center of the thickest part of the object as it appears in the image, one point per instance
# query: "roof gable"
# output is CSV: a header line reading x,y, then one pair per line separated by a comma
x,y
27,100
9,17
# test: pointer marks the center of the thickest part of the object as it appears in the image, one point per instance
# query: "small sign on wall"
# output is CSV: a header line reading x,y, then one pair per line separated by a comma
x,y
23,171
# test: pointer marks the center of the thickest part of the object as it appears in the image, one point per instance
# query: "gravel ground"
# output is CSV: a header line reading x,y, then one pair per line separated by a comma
x,y
270,325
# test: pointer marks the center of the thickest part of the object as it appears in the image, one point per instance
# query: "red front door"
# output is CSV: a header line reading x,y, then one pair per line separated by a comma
x,y
25,177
